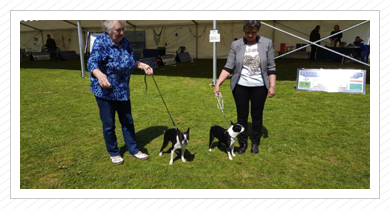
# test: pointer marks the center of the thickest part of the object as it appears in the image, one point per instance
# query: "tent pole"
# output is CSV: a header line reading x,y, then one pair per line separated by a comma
x,y
196,41
214,56
42,42
81,48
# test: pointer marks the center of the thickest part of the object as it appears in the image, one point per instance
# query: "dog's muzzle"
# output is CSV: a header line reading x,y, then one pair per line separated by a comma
x,y
185,142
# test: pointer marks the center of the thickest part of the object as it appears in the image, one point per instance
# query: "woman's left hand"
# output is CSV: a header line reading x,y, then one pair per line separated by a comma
x,y
271,92
145,67
148,70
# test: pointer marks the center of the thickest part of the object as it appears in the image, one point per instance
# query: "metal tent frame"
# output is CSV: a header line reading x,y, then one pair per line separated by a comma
x,y
314,43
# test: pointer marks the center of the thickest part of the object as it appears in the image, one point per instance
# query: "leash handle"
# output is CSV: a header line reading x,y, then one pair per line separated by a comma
x,y
220,106
220,101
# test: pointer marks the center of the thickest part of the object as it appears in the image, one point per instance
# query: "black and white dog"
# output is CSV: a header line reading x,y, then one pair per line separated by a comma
x,y
179,141
228,137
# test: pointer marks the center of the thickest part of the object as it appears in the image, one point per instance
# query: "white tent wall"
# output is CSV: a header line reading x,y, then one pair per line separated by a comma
x,y
31,41
304,28
61,37
298,28
228,32
173,37
67,38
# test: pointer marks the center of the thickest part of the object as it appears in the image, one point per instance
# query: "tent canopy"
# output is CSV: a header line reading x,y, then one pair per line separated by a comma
x,y
193,34
35,25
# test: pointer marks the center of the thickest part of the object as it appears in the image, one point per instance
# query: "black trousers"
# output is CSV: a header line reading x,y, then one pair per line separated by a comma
x,y
313,52
257,96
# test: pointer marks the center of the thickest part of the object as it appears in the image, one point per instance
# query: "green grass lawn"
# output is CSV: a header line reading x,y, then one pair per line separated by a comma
x,y
311,140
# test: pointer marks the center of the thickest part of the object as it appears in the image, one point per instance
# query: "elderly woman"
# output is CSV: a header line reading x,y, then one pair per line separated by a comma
x,y
110,66
252,60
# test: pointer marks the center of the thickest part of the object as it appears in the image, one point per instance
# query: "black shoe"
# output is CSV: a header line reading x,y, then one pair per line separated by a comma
x,y
242,149
255,148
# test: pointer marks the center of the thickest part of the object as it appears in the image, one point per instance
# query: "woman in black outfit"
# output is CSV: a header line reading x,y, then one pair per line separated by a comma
x,y
252,60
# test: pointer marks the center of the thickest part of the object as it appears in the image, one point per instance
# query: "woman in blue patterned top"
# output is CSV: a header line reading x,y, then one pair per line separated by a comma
x,y
110,66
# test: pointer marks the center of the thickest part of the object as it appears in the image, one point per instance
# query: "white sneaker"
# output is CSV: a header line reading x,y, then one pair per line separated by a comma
x,y
140,156
116,160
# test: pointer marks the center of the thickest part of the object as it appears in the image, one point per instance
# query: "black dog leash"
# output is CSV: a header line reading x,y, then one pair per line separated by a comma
x,y
146,89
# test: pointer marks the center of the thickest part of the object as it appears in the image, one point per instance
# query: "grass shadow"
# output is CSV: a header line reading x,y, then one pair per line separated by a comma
x,y
264,135
187,155
144,137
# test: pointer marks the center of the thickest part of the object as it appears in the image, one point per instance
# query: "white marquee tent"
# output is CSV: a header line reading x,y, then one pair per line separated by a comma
x,y
193,34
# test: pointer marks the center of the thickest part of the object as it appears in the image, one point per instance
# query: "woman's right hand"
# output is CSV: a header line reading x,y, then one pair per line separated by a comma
x,y
103,81
222,77
102,78
216,91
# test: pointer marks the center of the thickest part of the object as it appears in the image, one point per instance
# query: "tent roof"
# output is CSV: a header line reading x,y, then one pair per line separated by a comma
x,y
33,25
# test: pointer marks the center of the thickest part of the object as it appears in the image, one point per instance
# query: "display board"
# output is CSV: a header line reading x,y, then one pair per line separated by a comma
x,y
150,61
330,80
68,54
168,59
41,55
184,57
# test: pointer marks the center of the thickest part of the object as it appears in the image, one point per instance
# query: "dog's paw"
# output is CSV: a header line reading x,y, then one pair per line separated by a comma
x,y
183,160
210,149
230,158
233,155
170,163
160,154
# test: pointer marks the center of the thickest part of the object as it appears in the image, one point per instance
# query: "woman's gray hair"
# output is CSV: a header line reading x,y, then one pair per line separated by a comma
x,y
108,24
251,24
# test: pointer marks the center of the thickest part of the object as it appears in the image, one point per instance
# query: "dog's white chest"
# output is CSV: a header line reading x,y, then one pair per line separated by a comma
x,y
179,145
232,141
233,136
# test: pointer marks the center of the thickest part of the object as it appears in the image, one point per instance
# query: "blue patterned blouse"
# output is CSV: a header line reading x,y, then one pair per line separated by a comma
x,y
116,63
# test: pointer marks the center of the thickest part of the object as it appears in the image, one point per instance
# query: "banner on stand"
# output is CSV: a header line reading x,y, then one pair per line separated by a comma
x,y
351,81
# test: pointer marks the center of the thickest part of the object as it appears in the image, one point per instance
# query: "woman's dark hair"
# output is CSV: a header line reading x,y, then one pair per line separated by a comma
x,y
251,24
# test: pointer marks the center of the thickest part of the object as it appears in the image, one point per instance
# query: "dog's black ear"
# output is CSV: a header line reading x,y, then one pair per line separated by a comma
x,y
177,131
231,123
188,130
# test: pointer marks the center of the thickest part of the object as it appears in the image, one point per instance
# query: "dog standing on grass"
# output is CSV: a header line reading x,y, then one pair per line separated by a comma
x,y
227,137
179,141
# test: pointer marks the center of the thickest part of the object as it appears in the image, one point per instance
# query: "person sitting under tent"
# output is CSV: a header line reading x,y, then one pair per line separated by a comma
x,y
360,51
336,39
